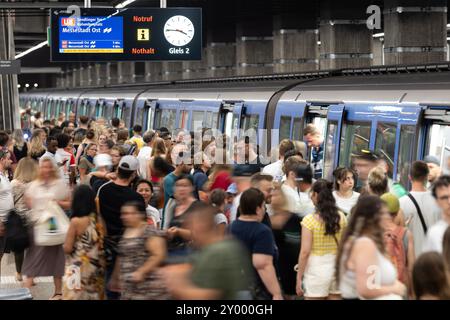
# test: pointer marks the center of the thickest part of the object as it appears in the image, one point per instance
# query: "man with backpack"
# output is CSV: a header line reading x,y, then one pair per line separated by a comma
x,y
419,206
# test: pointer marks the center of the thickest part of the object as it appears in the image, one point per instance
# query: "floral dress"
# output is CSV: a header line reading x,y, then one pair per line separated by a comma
x,y
132,255
84,275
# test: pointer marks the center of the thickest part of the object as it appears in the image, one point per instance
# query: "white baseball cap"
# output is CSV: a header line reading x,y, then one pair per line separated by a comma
x,y
103,160
129,163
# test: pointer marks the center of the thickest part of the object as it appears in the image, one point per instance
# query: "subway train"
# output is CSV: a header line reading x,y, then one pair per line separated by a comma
x,y
401,112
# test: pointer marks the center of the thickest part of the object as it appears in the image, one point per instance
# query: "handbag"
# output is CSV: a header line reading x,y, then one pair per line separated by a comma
x,y
52,226
16,235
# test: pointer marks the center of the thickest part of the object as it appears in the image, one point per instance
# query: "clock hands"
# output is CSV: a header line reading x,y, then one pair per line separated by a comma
x,y
177,30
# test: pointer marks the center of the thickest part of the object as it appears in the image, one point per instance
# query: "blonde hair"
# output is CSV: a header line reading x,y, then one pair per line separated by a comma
x,y
26,170
55,175
377,181
36,143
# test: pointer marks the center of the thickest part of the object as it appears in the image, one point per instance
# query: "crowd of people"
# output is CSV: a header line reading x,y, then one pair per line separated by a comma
x,y
184,216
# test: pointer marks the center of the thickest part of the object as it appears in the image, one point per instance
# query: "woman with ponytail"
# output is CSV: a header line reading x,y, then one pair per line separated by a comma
x,y
363,271
321,233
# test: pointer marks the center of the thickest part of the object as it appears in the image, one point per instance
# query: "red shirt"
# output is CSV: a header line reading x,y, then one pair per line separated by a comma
x,y
222,181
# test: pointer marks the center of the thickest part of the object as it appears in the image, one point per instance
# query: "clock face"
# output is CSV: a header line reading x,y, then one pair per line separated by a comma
x,y
179,31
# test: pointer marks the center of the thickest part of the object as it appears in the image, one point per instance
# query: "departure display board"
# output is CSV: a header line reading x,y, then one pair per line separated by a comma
x,y
130,34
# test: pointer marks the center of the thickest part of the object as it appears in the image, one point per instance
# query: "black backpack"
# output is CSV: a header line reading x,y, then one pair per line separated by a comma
x,y
16,233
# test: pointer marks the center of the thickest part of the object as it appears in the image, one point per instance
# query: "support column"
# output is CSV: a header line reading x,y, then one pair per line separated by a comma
x,y
415,31
68,77
101,74
346,41
9,99
221,59
378,51
221,41
195,69
153,71
254,39
172,70
295,38
75,76
82,74
254,48
125,72
113,77
139,71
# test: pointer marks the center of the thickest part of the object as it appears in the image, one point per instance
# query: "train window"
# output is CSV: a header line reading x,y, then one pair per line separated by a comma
x,y
355,136
330,150
438,144
168,119
184,119
58,108
296,130
158,114
385,143
149,119
126,113
230,123
285,127
49,110
211,120
117,110
88,109
197,120
251,122
215,116
405,154
98,110
141,115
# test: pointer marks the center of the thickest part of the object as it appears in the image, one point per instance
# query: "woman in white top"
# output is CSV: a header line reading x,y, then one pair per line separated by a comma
x,y
217,199
45,261
344,182
362,269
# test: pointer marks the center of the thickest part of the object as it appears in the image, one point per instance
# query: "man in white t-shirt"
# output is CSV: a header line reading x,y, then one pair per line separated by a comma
x,y
276,169
64,159
430,211
297,185
435,235
145,154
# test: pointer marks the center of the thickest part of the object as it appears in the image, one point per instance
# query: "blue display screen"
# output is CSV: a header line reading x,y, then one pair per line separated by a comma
x,y
91,34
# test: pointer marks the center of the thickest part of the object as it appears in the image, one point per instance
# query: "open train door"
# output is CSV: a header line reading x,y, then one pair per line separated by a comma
x,y
437,135
230,118
316,113
148,115
332,139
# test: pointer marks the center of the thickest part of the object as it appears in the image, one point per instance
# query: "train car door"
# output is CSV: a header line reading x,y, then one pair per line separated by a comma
x,y
317,114
332,139
437,136
230,118
48,110
118,109
147,116
287,122
100,108
183,121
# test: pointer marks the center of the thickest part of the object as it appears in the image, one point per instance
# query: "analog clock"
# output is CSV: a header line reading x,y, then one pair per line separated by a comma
x,y
179,31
